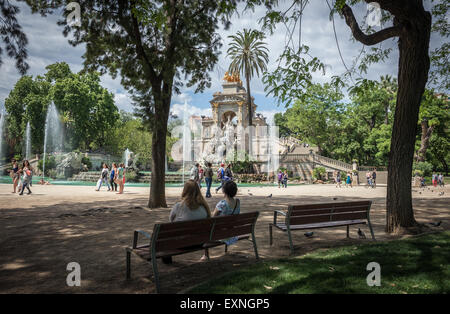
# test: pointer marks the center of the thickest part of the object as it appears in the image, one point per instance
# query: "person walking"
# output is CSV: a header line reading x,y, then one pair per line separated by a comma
x,y
104,177
208,179
113,177
221,177
374,178
338,179
201,175
280,178
441,180
348,181
228,173
285,178
434,179
120,178
369,179
15,174
27,175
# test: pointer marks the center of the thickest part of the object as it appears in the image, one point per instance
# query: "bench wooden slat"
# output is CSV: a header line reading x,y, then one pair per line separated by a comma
x,y
311,216
228,233
180,242
321,224
328,205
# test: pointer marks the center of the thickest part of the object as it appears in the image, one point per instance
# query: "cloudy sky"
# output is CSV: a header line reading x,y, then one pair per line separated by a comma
x,y
47,45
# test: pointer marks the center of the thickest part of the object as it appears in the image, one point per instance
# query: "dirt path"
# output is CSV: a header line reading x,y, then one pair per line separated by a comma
x,y
43,232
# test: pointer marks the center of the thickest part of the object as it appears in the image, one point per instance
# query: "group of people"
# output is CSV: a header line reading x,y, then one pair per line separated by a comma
x,y
113,178
437,179
371,177
338,179
193,206
22,176
282,178
224,174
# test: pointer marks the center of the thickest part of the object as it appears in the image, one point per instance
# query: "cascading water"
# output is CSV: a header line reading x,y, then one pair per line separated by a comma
x,y
126,157
53,140
186,137
2,122
28,142
273,160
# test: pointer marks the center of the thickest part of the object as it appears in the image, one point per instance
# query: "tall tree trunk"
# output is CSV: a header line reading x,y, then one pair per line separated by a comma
x,y
424,141
157,188
414,64
250,115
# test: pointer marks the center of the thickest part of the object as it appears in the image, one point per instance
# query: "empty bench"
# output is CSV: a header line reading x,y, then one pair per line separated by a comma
x,y
313,216
170,239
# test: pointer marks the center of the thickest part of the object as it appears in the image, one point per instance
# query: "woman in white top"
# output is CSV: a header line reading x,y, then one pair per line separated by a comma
x,y
192,207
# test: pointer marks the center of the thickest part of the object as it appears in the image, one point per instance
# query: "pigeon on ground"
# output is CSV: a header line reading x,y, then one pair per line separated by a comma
x,y
420,192
361,234
436,224
250,194
334,198
441,193
309,234
432,191
269,196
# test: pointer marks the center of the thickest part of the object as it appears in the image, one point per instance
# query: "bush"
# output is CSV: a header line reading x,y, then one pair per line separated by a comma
x,y
131,176
86,161
52,173
422,168
319,173
50,163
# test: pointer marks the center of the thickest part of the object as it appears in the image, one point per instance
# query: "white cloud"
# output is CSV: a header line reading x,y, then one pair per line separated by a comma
x,y
180,109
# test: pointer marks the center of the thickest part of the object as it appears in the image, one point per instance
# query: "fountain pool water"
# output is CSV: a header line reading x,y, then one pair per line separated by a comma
x,y
273,160
186,138
53,139
28,142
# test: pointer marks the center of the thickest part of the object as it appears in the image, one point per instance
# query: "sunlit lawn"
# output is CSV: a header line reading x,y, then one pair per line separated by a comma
x,y
414,265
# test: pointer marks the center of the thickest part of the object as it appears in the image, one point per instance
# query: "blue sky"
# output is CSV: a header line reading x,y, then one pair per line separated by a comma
x,y
47,45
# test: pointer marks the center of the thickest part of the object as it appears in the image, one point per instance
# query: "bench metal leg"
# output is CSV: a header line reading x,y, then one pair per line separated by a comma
x,y
371,231
348,231
155,273
291,245
226,248
128,264
254,245
270,235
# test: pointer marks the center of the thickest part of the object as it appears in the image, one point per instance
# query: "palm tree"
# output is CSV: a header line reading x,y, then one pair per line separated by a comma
x,y
249,54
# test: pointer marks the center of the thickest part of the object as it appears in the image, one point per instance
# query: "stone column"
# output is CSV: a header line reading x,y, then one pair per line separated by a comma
x,y
355,178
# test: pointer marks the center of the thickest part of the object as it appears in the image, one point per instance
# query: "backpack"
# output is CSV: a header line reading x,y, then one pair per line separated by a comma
x,y
220,173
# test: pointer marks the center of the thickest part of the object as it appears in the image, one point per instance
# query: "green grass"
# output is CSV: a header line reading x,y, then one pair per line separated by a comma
x,y
414,265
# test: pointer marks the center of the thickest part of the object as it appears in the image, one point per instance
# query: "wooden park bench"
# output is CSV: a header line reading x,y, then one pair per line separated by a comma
x,y
313,216
170,239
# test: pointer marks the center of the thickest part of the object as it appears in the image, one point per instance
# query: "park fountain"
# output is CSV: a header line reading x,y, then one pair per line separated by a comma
x,y
186,137
28,142
273,159
2,122
53,140
126,157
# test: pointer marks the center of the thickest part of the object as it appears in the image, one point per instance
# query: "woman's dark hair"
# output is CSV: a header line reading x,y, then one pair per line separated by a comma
x,y
230,189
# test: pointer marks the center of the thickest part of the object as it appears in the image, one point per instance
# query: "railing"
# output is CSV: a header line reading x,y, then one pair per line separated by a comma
x,y
332,162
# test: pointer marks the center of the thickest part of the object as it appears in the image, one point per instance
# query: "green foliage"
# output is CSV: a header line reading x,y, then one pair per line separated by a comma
x,y
86,161
422,168
319,173
86,109
50,163
131,176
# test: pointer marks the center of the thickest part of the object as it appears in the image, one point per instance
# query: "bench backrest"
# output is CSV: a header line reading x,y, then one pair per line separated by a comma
x,y
313,213
177,235
233,225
